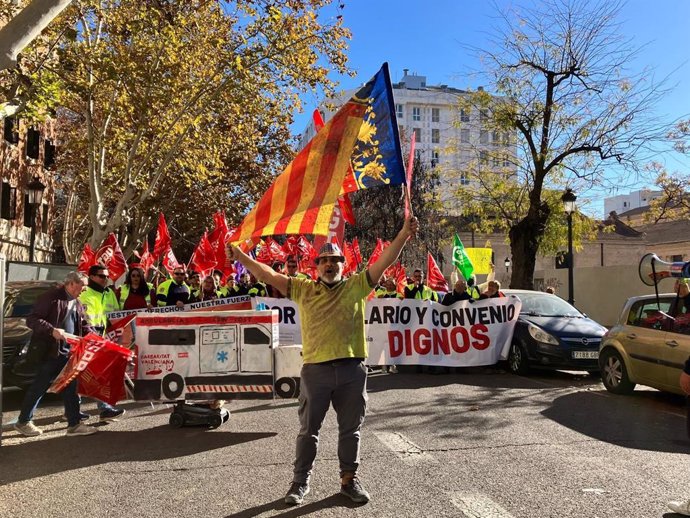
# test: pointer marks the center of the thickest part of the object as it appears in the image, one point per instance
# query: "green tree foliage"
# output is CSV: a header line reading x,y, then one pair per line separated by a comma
x,y
182,107
380,213
559,69
32,88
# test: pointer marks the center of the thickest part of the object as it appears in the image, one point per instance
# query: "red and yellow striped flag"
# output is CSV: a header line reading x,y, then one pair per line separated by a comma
x,y
302,197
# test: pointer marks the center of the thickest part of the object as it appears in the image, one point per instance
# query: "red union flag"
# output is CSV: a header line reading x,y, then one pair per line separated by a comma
x,y
163,242
435,279
86,259
98,365
111,257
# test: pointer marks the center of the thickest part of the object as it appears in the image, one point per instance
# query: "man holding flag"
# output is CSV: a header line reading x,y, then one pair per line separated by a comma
x,y
333,350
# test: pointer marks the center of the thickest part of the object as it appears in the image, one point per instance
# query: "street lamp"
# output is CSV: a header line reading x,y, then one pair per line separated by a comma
x,y
35,194
569,206
507,263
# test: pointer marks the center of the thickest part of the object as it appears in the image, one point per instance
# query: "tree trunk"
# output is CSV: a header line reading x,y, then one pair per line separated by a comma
x,y
524,245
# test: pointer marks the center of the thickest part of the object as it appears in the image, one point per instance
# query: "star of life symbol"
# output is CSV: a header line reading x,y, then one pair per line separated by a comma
x,y
222,356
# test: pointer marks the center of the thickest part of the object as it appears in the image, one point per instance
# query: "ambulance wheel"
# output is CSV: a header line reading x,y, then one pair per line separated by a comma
x,y
286,387
215,421
176,420
172,385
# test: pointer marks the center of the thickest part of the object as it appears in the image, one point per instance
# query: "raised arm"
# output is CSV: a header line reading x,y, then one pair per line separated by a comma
x,y
262,272
391,253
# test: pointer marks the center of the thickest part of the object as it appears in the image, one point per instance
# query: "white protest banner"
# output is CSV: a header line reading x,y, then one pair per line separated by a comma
x,y
416,332
120,332
288,319
413,332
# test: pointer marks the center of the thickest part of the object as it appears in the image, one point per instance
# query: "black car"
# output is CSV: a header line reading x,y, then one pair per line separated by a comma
x,y
551,333
20,297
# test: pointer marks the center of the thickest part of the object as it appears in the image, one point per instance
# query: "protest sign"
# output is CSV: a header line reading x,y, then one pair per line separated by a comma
x,y
415,332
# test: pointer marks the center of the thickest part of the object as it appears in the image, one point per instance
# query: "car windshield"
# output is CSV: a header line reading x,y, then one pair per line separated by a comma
x,y
18,302
545,305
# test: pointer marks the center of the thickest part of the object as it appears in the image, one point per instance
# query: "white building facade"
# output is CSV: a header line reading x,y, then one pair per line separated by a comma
x,y
625,202
457,140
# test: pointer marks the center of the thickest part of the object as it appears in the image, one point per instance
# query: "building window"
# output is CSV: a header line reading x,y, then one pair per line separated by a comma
x,y
496,138
8,209
48,154
417,154
465,136
416,113
464,179
483,115
625,204
435,115
27,212
11,130
506,161
464,115
483,137
33,140
435,136
483,158
506,138
417,134
44,218
434,158
496,160
399,111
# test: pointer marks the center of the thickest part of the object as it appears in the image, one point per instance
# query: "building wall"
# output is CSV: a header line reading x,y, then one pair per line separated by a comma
x,y
599,292
17,170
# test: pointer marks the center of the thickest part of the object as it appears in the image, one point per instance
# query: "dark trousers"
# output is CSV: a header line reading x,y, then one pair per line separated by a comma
x,y
342,383
47,373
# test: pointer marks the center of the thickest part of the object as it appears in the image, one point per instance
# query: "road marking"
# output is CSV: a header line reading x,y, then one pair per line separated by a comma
x,y
404,448
478,506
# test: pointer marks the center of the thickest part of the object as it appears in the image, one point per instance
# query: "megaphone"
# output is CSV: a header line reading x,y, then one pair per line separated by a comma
x,y
652,269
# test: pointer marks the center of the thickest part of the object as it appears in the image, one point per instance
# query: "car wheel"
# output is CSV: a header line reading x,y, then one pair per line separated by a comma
x,y
614,375
517,360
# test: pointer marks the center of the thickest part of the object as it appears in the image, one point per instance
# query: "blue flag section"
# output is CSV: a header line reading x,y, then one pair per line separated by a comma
x,y
377,158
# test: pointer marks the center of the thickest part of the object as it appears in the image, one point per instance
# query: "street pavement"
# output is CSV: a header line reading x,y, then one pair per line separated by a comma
x,y
476,443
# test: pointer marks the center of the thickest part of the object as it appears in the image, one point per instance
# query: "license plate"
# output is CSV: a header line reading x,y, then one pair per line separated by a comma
x,y
586,355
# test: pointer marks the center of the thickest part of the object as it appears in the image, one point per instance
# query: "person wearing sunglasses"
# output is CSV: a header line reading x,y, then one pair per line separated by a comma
x,y
175,291
333,351
98,300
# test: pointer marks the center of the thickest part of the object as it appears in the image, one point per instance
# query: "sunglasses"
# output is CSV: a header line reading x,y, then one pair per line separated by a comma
x,y
178,273
100,275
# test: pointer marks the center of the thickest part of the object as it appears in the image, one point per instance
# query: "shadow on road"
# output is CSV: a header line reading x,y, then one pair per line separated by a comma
x,y
632,422
493,377
285,511
39,458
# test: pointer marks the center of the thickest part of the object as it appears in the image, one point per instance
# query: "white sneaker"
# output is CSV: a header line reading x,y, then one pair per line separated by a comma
x,y
680,507
81,429
28,429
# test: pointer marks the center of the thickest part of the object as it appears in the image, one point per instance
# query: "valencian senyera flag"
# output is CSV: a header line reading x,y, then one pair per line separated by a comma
x,y
364,133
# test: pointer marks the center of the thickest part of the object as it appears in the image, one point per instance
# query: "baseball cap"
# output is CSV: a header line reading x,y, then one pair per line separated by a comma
x,y
330,250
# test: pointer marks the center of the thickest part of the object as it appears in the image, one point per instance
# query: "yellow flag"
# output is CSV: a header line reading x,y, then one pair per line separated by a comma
x,y
481,259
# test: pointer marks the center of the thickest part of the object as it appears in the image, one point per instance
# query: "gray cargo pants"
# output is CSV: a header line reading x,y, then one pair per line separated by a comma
x,y
343,383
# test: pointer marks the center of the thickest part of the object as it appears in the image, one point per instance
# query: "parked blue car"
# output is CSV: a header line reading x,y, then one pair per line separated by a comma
x,y
550,333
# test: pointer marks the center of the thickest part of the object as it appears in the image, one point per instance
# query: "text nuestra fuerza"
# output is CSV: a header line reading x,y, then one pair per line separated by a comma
x,y
430,330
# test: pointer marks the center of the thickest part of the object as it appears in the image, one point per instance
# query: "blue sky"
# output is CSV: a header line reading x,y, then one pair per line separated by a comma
x,y
428,37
